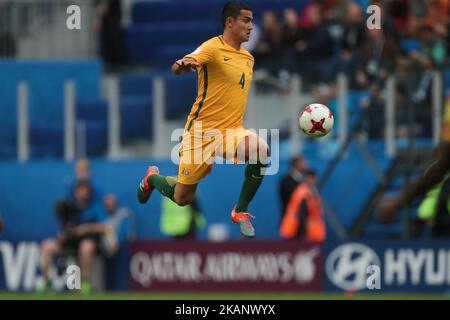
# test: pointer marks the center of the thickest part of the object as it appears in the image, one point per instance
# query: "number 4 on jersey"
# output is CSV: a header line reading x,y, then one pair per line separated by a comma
x,y
242,81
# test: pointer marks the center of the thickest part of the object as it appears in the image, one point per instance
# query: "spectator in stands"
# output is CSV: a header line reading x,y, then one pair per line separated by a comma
x,y
304,213
268,51
417,12
431,12
438,12
335,10
378,59
291,180
399,10
315,51
82,174
430,57
418,8
373,121
432,53
181,222
291,35
7,39
120,226
387,21
81,227
111,38
353,37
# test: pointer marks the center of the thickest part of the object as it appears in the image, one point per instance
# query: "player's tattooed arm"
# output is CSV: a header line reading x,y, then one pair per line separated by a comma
x,y
184,65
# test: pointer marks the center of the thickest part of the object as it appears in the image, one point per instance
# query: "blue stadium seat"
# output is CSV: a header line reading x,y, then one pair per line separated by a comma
x,y
92,110
96,137
45,99
136,117
180,95
136,92
136,105
8,119
94,114
46,140
165,55
145,11
146,42
136,84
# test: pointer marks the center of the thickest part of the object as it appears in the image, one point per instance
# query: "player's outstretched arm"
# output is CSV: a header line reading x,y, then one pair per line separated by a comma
x,y
184,65
433,175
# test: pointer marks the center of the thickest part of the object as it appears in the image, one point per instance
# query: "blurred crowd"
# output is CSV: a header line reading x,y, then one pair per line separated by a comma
x,y
331,37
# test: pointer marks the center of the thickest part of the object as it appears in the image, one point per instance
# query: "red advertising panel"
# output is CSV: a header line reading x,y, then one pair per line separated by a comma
x,y
226,266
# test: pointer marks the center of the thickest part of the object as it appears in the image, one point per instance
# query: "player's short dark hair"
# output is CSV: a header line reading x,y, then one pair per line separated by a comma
x,y
233,9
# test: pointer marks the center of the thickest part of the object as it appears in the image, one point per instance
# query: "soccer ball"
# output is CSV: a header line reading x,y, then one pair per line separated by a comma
x,y
316,120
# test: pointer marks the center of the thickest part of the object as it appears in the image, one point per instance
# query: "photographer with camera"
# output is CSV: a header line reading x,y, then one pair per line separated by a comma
x,y
81,229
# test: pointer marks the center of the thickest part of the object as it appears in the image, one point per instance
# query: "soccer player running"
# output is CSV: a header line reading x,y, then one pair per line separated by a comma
x,y
224,71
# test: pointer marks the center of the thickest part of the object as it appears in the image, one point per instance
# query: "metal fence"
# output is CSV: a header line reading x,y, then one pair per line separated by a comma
x,y
257,105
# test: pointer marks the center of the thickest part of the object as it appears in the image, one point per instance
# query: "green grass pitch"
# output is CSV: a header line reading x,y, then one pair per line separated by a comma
x,y
221,296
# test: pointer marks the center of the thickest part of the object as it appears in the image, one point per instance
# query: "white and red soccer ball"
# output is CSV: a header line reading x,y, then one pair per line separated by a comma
x,y
316,120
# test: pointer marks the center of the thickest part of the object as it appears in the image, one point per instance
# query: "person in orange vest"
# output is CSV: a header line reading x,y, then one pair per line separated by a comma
x,y
290,181
303,218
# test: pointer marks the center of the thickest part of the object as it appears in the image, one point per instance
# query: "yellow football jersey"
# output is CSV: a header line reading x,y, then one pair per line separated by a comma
x,y
224,77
